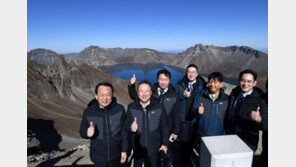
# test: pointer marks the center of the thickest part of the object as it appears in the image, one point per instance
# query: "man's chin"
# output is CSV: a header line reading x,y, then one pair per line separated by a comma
x,y
163,87
144,101
105,104
245,89
191,80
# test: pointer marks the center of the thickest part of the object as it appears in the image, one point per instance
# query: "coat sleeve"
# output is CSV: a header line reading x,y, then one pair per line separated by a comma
x,y
227,118
180,92
128,121
199,101
124,133
132,91
223,125
176,111
164,128
264,115
196,104
84,126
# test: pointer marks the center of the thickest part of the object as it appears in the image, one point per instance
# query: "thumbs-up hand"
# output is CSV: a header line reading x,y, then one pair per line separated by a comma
x,y
256,115
134,126
133,79
201,109
186,93
90,130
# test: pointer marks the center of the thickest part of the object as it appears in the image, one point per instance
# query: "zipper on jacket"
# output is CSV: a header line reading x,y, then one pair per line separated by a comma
x,y
146,119
107,131
212,117
217,108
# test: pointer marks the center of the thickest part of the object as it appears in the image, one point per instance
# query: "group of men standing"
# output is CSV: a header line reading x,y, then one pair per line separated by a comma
x,y
162,120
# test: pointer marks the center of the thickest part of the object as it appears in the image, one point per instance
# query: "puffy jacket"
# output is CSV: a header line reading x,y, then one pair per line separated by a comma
x,y
110,138
152,127
189,106
170,102
211,122
243,125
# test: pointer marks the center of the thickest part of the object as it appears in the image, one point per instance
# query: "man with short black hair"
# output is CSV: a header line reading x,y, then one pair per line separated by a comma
x,y
102,122
213,106
147,121
189,88
247,112
166,94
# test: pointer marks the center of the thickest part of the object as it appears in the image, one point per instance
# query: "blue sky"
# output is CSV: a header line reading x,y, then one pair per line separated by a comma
x,y
66,26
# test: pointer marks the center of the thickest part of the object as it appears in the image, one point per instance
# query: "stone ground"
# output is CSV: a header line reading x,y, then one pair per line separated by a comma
x,y
75,152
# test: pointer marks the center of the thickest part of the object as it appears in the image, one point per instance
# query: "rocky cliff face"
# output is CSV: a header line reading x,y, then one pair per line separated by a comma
x,y
209,58
57,94
228,60
42,56
60,92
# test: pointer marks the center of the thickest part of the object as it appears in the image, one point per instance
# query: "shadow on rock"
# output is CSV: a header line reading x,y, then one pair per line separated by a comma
x,y
42,136
78,159
53,161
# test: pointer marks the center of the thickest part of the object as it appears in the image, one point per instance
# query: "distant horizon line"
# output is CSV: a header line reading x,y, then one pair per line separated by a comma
x,y
175,51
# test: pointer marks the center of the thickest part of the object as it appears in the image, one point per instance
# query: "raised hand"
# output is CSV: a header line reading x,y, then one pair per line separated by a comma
x,y
164,148
256,115
201,109
133,79
134,126
90,130
186,93
174,136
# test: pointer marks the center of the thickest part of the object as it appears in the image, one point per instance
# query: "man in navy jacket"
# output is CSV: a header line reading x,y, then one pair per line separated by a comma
x,y
213,106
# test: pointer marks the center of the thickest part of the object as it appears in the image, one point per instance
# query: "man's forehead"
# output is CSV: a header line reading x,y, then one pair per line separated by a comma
x,y
163,76
103,88
248,75
191,69
214,79
144,86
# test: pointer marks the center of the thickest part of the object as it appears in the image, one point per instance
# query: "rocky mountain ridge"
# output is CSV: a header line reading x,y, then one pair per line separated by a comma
x,y
97,56
210,58
228,60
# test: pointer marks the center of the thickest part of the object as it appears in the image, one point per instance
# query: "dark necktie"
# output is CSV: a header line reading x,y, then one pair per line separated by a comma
x,y
161,92
238,105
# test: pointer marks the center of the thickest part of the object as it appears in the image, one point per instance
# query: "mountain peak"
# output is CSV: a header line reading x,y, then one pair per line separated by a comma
x,y
42,56
42,51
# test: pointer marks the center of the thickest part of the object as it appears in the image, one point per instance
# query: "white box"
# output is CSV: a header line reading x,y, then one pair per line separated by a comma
x,y
225,151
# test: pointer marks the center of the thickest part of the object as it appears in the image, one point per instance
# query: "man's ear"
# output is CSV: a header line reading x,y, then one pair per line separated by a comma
x,y
255,82
222,83
96,96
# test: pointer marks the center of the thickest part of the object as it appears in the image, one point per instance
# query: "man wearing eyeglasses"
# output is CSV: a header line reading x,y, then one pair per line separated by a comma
x,y
189,87
248,111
